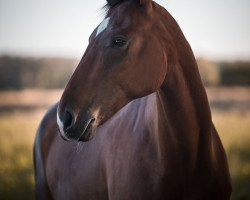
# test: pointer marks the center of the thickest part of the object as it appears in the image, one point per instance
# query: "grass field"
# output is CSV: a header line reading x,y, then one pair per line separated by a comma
x,y
18,123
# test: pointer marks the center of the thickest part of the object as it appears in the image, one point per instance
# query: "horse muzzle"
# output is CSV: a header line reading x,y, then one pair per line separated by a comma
x,y
80,128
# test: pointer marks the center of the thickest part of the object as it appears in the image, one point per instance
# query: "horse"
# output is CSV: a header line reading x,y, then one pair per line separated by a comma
x,y
134,120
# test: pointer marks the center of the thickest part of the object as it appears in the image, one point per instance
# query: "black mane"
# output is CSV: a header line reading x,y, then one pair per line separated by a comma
x,y
112,3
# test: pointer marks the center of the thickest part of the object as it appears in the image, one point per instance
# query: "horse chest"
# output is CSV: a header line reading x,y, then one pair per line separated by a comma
x,y
115,164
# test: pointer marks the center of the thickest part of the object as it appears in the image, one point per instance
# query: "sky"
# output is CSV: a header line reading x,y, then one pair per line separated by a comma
x,y
215,29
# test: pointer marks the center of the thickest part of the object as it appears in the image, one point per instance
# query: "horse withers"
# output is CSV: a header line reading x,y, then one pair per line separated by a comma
x,y
134,120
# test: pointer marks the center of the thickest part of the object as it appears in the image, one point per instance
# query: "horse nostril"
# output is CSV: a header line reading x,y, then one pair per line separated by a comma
x,y
68,121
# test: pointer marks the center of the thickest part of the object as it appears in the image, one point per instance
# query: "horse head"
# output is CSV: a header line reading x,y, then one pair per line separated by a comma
x,y
125,60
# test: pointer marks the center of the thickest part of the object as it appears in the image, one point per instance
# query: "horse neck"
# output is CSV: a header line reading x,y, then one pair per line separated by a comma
x,y
184,115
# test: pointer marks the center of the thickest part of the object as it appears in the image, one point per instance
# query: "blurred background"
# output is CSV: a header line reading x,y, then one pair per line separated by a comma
x,y
41,43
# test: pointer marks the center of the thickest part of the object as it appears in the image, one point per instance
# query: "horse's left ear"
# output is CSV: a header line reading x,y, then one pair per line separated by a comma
x,y
147,4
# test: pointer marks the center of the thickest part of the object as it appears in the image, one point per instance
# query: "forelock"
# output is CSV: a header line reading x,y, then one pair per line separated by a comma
x,y
112,3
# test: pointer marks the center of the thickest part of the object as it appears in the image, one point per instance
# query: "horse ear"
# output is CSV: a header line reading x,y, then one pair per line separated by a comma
x,y
147,4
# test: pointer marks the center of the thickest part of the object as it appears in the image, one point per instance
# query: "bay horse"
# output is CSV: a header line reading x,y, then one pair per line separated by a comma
x,y
133,122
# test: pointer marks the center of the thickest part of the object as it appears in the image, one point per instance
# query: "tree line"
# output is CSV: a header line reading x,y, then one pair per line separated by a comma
x,y
46,73
53,73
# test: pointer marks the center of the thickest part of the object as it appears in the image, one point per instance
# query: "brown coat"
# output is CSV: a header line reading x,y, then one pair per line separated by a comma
x,y
137,102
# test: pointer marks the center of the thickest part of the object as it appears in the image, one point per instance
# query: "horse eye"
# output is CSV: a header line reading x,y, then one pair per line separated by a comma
x,y
118,42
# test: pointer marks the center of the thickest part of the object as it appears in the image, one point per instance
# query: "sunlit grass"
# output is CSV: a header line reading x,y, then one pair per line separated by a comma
x,y
234,130
232,126
16,164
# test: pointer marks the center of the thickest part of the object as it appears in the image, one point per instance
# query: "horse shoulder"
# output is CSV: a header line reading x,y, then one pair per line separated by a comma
x,y
44,137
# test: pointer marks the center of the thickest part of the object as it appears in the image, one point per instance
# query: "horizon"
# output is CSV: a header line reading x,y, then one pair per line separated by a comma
x,y
215,30
51,56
